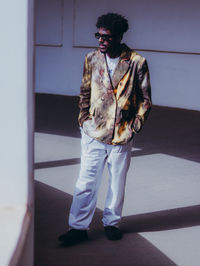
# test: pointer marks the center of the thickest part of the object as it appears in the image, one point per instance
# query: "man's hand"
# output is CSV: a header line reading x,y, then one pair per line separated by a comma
x,y
137,125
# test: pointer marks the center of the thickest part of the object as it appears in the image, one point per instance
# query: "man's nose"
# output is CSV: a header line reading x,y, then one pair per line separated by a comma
x,y
101,40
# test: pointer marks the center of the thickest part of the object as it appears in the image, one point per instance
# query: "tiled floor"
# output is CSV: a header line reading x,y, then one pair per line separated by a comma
x,y
161,222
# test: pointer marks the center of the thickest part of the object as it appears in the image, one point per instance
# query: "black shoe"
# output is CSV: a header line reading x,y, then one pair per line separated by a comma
x,y
113,233
73,237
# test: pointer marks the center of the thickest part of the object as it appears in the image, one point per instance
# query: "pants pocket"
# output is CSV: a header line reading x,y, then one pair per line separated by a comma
x,y
85,138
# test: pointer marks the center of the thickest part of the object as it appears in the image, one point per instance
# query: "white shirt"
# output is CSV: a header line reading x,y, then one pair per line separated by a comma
x,y
112,63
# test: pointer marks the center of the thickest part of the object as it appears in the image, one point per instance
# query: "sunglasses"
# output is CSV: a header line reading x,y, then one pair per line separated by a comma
x,y
105,37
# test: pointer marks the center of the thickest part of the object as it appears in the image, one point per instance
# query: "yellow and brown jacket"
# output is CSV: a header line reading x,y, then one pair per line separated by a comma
x,y
108,109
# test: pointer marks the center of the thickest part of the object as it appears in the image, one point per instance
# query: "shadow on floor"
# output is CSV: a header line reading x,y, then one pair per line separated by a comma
x,y
162,220
168,131
51,210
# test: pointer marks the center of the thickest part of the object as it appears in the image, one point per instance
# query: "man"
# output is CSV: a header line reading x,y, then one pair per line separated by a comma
x,y
115,99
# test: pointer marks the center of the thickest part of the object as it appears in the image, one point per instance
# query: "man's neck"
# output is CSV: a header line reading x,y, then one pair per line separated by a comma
x,y
116,52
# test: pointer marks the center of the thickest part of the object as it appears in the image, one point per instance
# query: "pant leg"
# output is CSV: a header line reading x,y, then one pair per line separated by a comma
x,y
93,158
118,165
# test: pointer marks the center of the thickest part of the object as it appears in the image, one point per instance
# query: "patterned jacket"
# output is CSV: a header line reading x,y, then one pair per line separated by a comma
x,y
112,117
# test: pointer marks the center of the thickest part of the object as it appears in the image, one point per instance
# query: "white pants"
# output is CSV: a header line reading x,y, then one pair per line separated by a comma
x,y
93,158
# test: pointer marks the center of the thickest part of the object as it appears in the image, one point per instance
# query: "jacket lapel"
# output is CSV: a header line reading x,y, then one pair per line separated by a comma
x,y
102,72
122,66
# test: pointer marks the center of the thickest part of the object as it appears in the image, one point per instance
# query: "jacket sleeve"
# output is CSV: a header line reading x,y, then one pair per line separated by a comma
x,y
85,91
143,95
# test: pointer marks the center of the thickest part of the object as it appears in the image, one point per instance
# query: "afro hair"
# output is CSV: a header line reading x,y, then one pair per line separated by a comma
x,y
116,23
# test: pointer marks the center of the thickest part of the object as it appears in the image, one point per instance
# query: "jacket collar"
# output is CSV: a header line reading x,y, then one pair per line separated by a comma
x,y
122,66
126,52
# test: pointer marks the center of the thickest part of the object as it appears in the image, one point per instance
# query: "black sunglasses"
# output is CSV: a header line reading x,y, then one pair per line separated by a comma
x,y
105,37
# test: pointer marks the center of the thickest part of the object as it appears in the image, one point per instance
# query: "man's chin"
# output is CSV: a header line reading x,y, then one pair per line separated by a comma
x,y
103,50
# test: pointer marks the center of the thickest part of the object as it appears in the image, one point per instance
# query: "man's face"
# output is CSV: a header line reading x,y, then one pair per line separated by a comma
x,y
107,42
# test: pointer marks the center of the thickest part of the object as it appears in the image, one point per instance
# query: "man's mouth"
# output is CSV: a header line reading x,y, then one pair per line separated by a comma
x,y
101,46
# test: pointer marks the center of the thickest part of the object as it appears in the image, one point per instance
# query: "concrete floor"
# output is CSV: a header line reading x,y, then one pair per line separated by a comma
x,y
161,215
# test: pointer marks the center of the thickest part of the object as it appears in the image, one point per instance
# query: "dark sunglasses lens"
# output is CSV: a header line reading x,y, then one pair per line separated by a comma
x,y
97,35
105,37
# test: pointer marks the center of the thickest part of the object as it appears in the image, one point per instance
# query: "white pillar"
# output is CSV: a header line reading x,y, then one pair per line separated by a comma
x,y
16,129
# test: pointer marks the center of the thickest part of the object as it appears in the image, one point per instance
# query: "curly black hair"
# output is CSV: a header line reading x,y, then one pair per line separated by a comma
x,y
116,23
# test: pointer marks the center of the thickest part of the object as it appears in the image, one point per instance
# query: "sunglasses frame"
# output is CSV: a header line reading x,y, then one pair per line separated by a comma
x,y
105,37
